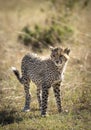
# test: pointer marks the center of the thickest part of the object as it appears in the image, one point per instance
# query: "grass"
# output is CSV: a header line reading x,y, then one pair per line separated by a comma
x,y
75,100
76,87
62,121
65,121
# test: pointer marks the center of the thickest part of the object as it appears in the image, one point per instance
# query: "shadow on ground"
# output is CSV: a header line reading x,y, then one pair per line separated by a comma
x,y
9,117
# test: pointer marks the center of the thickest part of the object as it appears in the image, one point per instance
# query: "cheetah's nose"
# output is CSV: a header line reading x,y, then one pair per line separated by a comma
x,y
60,61
57,61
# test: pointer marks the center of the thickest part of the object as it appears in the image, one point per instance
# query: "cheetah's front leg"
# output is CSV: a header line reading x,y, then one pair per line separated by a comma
x,y
45,93
56,89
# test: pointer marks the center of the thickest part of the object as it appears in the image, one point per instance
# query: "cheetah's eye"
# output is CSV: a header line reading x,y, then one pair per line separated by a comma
x,y
61,56
53,55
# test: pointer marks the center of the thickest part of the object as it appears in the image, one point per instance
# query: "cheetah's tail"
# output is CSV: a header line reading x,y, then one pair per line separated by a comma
x,y
16,72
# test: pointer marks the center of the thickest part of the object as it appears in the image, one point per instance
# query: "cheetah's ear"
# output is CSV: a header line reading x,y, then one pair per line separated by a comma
x,y
51,48
67,51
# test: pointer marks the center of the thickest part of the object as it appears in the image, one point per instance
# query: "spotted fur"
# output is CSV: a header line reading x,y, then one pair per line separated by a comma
x,y
44,73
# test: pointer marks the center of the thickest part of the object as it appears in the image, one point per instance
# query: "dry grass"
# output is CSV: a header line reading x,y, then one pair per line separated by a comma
x,y
76,88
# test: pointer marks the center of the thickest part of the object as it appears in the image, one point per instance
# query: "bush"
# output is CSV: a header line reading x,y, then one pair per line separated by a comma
x,y
39,38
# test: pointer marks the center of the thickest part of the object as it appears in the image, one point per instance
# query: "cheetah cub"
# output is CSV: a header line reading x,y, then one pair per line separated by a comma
x,y
44,73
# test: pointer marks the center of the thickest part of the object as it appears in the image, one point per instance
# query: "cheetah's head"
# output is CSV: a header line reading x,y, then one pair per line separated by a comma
x,y
59,55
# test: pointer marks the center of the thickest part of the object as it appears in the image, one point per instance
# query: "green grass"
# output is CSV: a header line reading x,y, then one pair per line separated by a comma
x,y
53,122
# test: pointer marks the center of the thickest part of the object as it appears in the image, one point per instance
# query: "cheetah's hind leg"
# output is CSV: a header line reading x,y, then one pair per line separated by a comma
x,y
27,97
25,81
39,97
